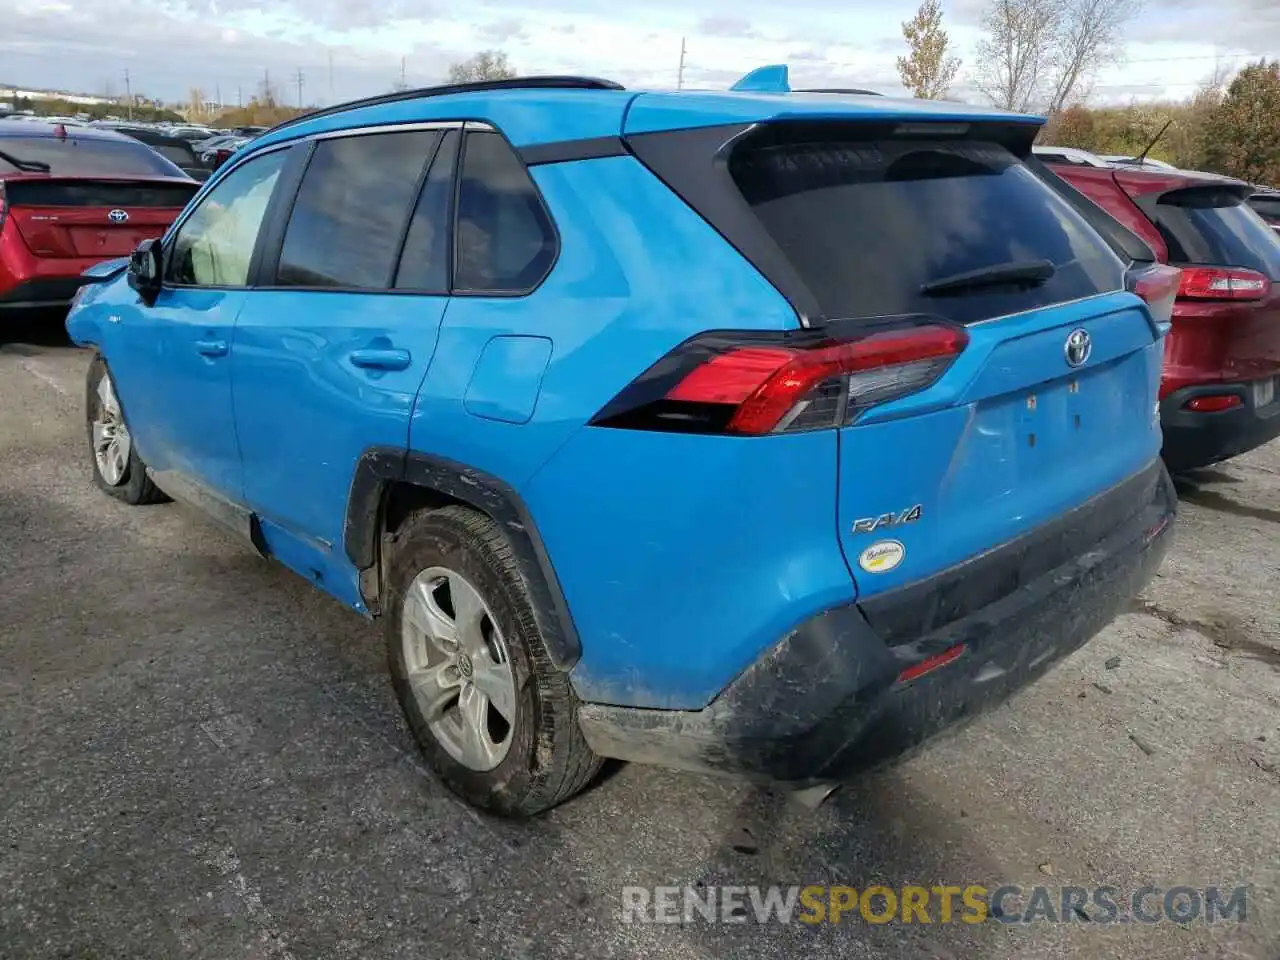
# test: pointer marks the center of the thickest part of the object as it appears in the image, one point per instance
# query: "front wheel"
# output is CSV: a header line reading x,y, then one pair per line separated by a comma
x,y
117,468
492,715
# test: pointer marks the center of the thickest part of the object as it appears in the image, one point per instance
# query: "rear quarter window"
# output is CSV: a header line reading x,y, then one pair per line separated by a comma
x,y
1211,226
868,222
82,157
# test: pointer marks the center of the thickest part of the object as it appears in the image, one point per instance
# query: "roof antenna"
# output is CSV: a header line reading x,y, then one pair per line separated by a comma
x,y
1141,158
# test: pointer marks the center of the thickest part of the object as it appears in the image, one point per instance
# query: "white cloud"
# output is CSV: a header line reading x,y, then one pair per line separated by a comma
x,y
228,46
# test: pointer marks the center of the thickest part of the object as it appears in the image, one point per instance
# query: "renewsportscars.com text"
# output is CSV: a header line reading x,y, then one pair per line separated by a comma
x,y
972,904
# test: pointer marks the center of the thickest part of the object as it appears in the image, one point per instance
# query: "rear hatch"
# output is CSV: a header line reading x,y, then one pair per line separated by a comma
x,y
82,218
1226,321
988,368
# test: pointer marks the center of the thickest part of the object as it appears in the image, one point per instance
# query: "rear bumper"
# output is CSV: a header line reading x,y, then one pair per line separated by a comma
x,y
826,701
46,292
1194,439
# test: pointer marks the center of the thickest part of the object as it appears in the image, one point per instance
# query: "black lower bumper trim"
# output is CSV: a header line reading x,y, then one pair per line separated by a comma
x,y
1193,439
826,703
51,292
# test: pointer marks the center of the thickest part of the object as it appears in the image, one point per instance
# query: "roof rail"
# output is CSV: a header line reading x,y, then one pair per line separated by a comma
x,y
445,89
869,93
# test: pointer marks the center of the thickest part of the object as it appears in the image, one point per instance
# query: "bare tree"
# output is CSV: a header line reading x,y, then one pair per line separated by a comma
x,y
485,65
1088,38
1043,54
927,71
1014,58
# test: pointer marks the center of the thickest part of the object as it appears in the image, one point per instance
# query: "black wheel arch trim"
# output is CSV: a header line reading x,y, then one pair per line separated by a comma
x,y
379,467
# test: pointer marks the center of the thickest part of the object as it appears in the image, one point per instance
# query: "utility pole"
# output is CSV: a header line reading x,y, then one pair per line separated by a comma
x,y
331,75
301,80
128,92
268,99
680,73
239,96
403,84
217,94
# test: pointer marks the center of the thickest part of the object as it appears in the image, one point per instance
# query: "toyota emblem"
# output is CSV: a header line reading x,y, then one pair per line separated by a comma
x,y
1078,347
118,216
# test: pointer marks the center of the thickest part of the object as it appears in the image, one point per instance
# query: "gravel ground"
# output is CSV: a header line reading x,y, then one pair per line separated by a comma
x,y
200,757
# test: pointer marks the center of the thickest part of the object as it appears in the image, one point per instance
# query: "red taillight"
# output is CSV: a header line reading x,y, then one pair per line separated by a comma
x,y
753,384
929,664
1223,283
1158,285
1215,403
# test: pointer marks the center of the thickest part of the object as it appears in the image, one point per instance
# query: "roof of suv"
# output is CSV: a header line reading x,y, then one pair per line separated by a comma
x,y
537,110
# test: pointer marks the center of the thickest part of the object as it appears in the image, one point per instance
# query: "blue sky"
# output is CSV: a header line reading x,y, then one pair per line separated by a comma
x,y
225,47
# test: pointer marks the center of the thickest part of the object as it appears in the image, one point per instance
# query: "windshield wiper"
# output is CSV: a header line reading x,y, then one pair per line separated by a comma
x,y
1022,273
28,166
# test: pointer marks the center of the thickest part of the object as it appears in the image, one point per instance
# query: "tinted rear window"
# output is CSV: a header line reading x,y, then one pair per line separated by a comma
x,y
1207,225
1268,207
77,157
867,222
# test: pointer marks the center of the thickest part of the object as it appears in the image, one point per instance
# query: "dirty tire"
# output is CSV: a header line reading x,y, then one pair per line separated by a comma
x,y
548,760
135,487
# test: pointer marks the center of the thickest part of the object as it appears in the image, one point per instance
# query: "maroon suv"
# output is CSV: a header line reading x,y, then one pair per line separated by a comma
x,y
1221,371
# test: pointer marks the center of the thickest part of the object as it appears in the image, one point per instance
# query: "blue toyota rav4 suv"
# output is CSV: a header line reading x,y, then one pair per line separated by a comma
x,y
752,431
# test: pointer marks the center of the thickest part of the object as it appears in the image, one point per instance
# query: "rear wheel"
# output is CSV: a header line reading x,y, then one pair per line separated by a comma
x,y
117,468
493,717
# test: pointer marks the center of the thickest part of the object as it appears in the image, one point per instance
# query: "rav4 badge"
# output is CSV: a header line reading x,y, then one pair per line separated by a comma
x,y
882,557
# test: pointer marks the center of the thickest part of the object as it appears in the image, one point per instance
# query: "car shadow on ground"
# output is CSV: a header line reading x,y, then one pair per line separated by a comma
x,y
40,328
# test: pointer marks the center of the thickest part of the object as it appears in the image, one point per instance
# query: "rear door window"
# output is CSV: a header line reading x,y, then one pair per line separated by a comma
x,y
352,210
1216,227
424,262
867,222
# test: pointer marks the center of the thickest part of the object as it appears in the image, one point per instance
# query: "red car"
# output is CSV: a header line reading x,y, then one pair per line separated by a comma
x,y
1218,390
71,197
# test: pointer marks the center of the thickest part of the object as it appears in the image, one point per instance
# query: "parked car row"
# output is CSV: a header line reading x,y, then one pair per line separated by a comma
x,y
513,383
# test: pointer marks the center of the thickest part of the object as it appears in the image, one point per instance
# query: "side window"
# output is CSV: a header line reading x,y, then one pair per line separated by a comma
x,y
351,210
424,264
505,241
214,246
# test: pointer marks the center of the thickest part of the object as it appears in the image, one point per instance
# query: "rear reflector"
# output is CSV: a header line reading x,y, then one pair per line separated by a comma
x,y
929,664
1223,283
1158,286
754,384
1215,403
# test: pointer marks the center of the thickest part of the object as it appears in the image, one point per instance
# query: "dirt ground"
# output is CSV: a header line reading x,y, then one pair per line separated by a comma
x,y
200,756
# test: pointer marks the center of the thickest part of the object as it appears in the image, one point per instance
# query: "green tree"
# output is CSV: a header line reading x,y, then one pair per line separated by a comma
x,y
1244,131
485,65
926,70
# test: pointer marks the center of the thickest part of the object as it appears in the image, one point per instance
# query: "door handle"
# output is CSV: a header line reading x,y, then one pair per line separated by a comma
x,y
211,348
372,358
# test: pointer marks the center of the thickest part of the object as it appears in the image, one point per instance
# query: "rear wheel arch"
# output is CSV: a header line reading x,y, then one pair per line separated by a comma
x,y
390,485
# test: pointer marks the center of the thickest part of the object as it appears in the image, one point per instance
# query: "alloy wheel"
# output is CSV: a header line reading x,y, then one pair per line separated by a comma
x,y
458,668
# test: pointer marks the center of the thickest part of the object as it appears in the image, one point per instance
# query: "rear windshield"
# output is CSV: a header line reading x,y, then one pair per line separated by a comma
x,y
77,157
1208,225
180,154
1268,207
867,222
